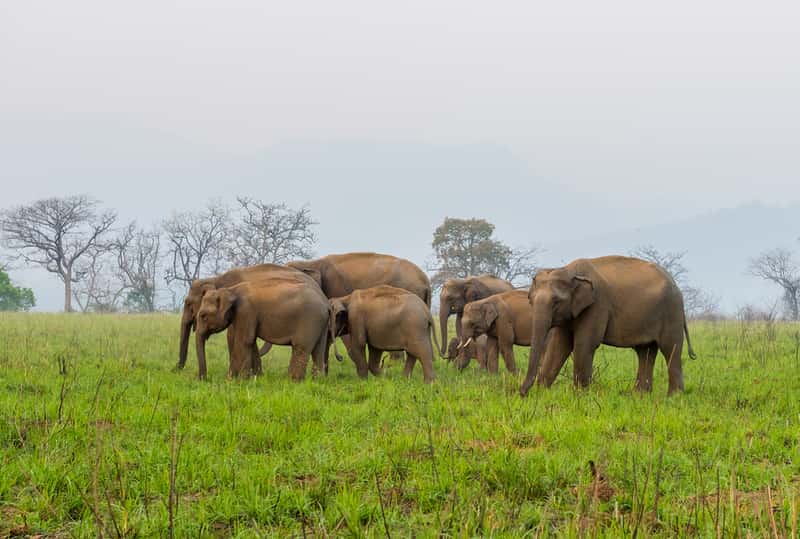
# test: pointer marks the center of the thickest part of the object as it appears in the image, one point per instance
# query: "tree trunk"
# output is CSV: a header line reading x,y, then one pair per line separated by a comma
x,y
68,291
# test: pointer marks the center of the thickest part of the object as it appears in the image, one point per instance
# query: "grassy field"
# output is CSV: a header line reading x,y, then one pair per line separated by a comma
x,y
99,435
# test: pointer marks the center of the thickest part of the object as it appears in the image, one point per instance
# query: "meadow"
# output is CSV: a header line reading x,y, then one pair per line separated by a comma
x,y
100,436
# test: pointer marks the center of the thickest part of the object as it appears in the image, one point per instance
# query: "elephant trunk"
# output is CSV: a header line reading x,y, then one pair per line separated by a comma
x,y
200,343
444,314
187,321
542,322
332,335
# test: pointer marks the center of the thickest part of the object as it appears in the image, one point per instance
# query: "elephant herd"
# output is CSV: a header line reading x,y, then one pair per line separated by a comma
x,y
380,303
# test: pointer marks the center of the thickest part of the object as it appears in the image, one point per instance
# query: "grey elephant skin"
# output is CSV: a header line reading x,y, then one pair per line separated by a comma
x,y
278,310
505,319
199,287
385,318
456,293
614,300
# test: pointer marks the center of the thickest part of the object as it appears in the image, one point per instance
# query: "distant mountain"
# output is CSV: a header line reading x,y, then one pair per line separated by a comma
x,y
718,247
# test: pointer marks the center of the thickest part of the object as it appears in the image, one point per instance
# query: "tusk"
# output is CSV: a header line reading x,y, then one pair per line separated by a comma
x,y
464,345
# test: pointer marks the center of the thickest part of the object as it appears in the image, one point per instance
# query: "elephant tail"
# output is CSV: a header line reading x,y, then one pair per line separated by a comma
x,y
432,327
688,340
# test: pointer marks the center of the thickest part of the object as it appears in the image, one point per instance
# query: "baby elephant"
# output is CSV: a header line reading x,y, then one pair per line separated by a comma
x,y
385,318
476,349
276,310
505,319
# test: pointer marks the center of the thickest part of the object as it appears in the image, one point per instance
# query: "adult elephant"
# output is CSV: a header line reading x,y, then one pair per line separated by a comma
x,y
199,287
614,300
342,274
458,292
280,310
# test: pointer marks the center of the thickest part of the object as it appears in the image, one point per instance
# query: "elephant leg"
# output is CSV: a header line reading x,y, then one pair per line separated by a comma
x,y
320,354
423,350
409,366
672,355
265,349
647,359
241,356
358,354
375,356
557,349
396,355
507,349
492,350
582,361
298,363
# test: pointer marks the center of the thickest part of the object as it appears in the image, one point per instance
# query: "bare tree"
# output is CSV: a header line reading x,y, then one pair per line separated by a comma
x,y
56,234
671,261
270,233
779,266
137,253
520,265
700,304
196,243
98,290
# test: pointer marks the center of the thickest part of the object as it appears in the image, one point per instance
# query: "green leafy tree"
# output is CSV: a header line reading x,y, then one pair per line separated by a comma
x,y
14,298
463,247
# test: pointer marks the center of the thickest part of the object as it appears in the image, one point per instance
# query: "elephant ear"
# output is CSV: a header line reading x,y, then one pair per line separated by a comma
x,y
227,304
474,291
489,313
583,294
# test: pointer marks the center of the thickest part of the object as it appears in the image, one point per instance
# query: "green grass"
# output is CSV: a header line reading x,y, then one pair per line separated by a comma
x,y
341,456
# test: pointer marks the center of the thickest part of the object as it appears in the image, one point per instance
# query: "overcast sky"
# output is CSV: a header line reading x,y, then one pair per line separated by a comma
x,y
659,110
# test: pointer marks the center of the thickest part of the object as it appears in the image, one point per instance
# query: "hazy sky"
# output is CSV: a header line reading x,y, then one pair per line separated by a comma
x,y
658,110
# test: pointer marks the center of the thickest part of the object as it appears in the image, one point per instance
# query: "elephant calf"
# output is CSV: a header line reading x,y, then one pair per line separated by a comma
x,y
385,318
475,349
505,319
277,310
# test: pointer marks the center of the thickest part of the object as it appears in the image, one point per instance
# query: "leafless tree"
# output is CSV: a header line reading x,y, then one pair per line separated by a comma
x,y
670,261
700,304
273,233
57,234
99,289
520,266
137,262
196,243
780,267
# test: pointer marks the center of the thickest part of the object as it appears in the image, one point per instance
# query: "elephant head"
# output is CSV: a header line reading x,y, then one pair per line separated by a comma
x,y
191,306
557,297
339,321
215,314
454,295
477,320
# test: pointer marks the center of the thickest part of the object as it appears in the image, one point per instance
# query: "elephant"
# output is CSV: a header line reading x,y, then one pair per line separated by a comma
x,y
614,300
458,292
339,275
385,318
279,310
199,287
505,319
473,350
